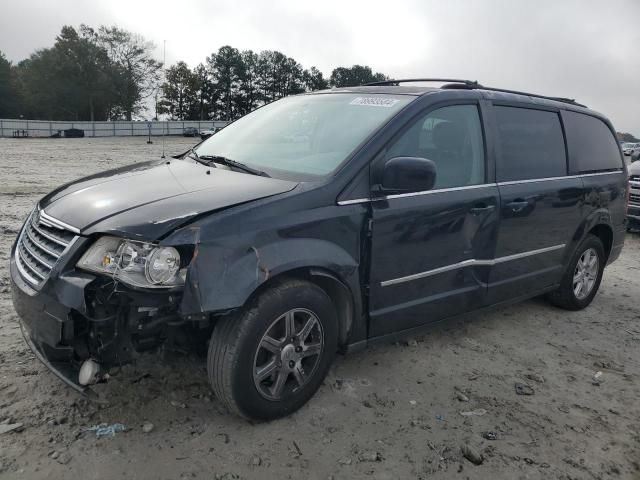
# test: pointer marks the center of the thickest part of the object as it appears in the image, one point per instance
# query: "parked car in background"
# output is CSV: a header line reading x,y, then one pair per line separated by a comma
x,y
204,134
320,223
190,132
633,212
628,148
635,154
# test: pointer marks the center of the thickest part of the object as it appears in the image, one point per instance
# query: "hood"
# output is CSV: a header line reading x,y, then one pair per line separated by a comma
x,y
151,199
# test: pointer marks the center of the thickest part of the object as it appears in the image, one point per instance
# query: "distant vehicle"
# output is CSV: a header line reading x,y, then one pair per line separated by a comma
x,y
628,148
633,212
204,134
190,132
73,133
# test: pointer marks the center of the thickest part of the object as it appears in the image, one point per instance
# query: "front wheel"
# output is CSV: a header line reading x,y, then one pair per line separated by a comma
x,y
269,360
582,278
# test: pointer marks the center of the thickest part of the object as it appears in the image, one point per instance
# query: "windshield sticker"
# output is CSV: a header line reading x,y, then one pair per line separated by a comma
x,y
374,102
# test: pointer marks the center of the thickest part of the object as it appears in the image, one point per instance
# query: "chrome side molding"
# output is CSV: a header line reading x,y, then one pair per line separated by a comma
x,y
470,263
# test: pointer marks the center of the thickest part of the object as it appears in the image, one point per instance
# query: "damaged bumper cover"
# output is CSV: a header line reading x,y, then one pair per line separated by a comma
x,y
76,316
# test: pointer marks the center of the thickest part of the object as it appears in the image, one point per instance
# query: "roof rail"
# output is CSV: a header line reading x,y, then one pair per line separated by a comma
x,y
516,92
470,83
453,83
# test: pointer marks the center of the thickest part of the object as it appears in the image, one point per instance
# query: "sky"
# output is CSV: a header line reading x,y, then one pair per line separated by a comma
x,y
583,49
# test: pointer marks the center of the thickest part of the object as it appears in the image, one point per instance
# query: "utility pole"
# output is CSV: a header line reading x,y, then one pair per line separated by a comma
x,y
164,69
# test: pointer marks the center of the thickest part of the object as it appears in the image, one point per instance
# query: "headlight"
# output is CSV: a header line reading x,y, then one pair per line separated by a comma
x,y
139,264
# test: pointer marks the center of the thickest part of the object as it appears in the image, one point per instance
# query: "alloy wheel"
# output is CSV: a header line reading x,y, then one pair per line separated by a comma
x,y
585,274
288,354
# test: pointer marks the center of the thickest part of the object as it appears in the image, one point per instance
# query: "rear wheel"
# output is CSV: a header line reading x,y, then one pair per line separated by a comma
x,y
269,360
582,278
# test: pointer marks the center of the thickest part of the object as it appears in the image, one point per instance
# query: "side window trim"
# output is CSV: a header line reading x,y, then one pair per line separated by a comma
x,y
379,157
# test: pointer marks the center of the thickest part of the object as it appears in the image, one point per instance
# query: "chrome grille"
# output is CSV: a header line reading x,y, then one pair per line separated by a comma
x,y
41,244
634,199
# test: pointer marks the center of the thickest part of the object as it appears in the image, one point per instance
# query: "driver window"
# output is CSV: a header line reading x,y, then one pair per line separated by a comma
x,y
451,137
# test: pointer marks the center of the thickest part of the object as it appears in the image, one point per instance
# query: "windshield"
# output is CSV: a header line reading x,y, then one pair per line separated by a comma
x,y
303,137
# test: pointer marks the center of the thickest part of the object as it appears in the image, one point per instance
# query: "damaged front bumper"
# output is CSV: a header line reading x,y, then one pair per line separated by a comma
x,y
76,316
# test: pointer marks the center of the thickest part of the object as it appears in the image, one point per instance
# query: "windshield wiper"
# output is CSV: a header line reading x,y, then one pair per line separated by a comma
x,y
230,163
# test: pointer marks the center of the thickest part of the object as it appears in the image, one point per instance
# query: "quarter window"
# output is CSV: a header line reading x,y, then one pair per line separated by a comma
x,y
531,144
451,137
591,143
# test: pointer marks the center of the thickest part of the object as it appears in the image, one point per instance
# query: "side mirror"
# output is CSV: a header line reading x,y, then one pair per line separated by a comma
x,y
408,174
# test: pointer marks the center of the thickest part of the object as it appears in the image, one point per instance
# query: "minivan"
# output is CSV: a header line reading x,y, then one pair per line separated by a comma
x,y
322,223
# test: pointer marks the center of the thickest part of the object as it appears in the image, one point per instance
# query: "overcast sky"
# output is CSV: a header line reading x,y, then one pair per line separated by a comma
x,y
583,49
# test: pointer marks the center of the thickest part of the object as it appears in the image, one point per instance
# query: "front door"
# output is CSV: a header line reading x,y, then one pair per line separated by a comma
x,y
429,249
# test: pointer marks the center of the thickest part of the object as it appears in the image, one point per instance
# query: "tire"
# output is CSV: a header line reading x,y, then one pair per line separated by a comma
x,y
565,296
245,346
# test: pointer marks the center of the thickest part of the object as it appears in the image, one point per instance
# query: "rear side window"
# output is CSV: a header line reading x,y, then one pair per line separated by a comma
x,y
592,146
531,143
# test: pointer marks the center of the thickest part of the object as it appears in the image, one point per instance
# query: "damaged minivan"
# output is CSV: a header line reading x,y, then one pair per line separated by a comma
x,y
322,223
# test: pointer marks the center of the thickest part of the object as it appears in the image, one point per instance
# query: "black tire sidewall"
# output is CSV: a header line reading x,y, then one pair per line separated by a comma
x,y
590,242
256,320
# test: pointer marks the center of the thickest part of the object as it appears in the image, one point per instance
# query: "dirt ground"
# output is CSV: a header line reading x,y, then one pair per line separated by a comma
x,y
390,412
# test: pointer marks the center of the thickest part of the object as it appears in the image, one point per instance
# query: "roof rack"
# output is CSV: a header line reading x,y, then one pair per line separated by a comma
x,y
452,83
469,83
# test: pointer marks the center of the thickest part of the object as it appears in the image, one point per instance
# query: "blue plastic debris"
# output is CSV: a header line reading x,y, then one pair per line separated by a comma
x,y
105,430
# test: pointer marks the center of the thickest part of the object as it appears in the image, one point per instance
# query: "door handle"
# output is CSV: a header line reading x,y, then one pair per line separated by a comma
x,y
518,205
480,209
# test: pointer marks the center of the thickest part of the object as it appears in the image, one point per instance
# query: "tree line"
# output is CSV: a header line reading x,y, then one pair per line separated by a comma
x,y
110,73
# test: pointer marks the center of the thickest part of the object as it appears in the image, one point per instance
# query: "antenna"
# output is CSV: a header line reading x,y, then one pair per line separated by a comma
x,y
164,69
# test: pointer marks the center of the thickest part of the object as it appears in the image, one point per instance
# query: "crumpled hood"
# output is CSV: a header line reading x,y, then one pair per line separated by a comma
x,y
149,200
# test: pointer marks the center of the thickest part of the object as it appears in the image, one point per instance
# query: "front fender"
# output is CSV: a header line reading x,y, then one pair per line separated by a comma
x,y
222,278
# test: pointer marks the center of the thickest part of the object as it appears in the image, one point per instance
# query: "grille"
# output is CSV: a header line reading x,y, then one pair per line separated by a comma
x,y
634,199
42,242
635,178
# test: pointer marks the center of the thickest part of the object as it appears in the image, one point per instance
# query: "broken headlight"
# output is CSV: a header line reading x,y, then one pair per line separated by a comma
x,y
135,263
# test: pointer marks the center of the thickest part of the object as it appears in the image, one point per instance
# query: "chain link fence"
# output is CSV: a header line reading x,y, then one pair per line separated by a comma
x,y
44,128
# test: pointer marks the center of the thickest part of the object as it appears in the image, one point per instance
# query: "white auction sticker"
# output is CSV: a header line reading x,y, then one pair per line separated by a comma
x,y
374,102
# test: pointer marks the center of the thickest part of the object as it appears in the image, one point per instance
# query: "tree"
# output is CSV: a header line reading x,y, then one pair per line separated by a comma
x,y
84,64
177,91
203,94
627,137
134,71
353,76
9,100
67,81
314,80
225,68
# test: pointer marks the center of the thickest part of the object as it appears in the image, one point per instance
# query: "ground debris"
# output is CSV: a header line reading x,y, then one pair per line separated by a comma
x,y
10,427
471,454
523,389
478,412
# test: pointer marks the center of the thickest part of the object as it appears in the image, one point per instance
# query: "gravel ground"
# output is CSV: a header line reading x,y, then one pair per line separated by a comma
x,y
395,411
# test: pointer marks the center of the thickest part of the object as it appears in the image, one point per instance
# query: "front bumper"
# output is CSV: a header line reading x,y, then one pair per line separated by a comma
x,y
75,316
47,327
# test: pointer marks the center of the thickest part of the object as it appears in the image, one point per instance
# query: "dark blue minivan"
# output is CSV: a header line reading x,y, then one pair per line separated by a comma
x,y
322,223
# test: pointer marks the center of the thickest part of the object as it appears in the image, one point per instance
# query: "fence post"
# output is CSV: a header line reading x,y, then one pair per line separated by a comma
x,y
93,124
132,128
1,129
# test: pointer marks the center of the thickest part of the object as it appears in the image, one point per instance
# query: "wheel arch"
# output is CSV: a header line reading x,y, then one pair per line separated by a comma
x,y
346,301
597,223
